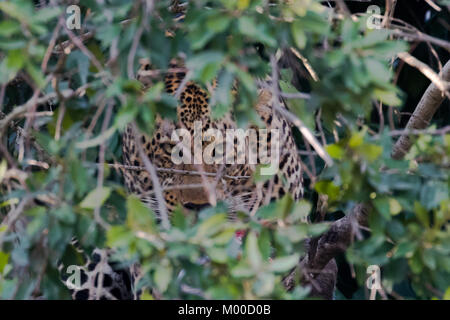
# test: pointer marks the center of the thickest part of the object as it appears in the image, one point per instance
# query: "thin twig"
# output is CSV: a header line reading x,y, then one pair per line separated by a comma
x,y
101,159
155,180
440,83
13,215
79,43
309,136
51,45
435,132
433,5
23,109
175,171
137,37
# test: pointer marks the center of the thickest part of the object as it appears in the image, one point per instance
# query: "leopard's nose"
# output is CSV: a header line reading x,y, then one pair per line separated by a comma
x,y
196,206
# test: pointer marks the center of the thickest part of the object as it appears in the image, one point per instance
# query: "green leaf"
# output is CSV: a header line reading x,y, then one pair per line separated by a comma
x,y
46,14
211,225
15,59
296,233
328,188
96,198
433,193
21,13
4,257
65,214
118,236
35,74
284,264
405,249
139,216
199,36
259,32
301,211
83,63
225,236
79,176
335,151
284,206
218,22
178,219
265,284
357,139
264,244
314,22
394,206
416,263
103,137
243,4
377,70
429,259
317,229
371,151
218,255
252,251
223,95
447,294
242,270
267,212
382,206
299,35
206,65
163,277
9,27
3,168
387,97
422,214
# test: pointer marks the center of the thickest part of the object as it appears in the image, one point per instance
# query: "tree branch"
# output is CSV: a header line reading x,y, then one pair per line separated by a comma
x,y
339,237
343,231
425,110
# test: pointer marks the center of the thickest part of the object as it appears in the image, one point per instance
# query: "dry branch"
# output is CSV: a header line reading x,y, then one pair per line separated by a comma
x,y
440,83
424,112
23,109
337,239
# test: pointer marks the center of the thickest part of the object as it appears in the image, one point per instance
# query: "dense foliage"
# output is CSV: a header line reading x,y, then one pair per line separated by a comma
x,y
52,188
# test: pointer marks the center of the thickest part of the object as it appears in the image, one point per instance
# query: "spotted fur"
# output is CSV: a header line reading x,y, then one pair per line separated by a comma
x,y
194,106
240,194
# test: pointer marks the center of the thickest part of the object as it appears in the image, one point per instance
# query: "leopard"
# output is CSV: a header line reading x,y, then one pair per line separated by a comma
x,y
240,194
243,194
193,187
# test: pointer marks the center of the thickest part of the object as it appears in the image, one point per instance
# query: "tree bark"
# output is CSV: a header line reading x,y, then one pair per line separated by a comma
x,y
424,112
322,251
